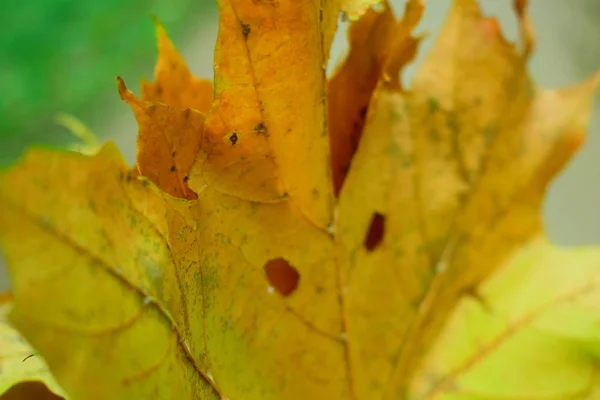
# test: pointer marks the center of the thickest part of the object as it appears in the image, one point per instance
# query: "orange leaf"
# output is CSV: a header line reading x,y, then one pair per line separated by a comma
x,y
175,85
269,112
169,140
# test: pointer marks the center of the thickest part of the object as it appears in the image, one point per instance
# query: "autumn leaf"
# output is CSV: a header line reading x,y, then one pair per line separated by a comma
x,y
19,365
540,340
351,88
169,140
456,168
350,238
174,83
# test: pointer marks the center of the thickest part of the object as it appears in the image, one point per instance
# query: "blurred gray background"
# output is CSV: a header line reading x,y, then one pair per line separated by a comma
x,y
567,52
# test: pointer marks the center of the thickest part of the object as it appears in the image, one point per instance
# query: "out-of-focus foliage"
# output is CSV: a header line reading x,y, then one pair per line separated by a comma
x,y
62,56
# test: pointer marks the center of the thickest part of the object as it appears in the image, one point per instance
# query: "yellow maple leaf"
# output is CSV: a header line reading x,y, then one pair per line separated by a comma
x,y
20,365
230,264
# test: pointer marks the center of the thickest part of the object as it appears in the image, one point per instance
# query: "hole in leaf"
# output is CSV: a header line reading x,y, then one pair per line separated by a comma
x,y
282,276
376,232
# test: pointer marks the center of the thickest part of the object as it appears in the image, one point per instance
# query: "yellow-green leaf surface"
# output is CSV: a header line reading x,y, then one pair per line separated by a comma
x,y
18,361
268,287
159,297
533,332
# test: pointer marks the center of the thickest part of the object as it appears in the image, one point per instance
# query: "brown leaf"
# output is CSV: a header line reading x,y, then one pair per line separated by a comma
x,y
29,391
168,142
350,89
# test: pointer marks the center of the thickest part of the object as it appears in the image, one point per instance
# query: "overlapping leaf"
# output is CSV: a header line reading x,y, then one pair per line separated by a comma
x,y
20,366
456,167
223,270
525,339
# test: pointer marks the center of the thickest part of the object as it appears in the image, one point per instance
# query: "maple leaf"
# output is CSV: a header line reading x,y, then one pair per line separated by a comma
x,y
240,260
175,85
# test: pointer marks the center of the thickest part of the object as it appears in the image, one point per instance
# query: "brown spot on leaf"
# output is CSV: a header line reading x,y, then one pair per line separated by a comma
x,y
362,113
172,169
282,276
260,129
375,233
246,30
233,138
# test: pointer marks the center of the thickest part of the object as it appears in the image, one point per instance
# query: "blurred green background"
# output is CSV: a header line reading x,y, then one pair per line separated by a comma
x,y
63,56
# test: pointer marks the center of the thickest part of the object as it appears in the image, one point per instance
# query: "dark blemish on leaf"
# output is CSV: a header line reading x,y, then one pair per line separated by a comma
x,y
159,90
289,130
319,289
172,169
125,176
260,129
187,112
375,233
233,138
282,276
186,178
315,194
362,113
253,206
173,154
174,65
151,109
132,221
433,104
245,30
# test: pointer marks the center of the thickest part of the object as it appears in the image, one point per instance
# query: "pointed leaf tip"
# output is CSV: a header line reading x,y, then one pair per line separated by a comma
x,y
173,83
122,89
525,25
